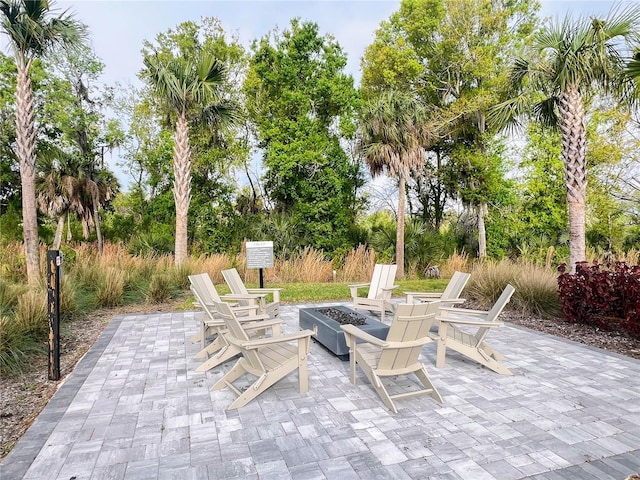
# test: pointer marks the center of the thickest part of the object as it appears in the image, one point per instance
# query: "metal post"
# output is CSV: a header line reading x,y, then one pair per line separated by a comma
x,y
53,306
261,278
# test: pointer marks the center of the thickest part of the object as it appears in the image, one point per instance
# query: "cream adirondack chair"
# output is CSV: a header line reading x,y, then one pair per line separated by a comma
x,y
398,354
268,359
208,294
379,297
248,296
454,333
220,350
449,296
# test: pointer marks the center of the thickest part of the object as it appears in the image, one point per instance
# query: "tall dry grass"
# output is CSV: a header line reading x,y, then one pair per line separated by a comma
x,y
536,287
31,313
111,290
457,262
213,265
358,265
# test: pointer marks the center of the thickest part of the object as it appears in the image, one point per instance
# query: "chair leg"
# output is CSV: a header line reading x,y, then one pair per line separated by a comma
x,y
382,393
210,349
442,344
226,353
236,372
303,376
423,376
491,363
261,384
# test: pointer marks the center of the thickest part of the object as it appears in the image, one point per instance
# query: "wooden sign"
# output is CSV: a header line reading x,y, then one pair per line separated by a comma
x,y
260,254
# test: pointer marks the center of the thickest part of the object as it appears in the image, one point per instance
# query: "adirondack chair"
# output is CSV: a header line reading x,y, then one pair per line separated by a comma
x,y
220,350
248,296
449,296
268,359
379,297
209,294
398,354
472,345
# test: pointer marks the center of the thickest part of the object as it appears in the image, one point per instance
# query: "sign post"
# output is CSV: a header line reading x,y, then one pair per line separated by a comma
x,y
54,260
260,255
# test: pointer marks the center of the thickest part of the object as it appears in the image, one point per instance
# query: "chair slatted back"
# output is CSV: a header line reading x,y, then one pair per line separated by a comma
x,y
204,289
502,301
383,277
455,286
232,277
411,323
239,333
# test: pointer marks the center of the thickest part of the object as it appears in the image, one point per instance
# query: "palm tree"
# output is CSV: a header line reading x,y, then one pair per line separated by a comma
x,y
571,61
185,87
394,132
67,184
32,31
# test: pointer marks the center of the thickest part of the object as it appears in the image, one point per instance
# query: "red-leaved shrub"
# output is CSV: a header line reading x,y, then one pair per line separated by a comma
x,y
602,295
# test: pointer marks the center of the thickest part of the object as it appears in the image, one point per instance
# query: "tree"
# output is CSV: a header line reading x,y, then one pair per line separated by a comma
x,y
188,89
453,55
303,105
568,62
394,133
32,32
75,114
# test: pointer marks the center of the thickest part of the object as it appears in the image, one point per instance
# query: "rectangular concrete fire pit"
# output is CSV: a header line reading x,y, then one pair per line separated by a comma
x,y
329,332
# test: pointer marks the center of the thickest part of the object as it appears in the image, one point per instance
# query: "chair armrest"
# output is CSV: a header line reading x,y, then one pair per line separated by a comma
x,y
274,291
464,311
253,318
359,285
243,296
279,339
244,308
356,332
212,308
424,294
390,288
261,324
468,321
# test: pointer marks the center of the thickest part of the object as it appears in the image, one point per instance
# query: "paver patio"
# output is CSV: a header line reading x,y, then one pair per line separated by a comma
x,y
134,409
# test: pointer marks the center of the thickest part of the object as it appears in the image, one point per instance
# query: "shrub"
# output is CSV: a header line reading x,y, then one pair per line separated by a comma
x,y
31,313
159,288
9,294
180,274
15,348
111,289
535,286
603,295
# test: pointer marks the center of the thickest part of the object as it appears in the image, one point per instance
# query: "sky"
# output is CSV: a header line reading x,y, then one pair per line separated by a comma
x,y
119,28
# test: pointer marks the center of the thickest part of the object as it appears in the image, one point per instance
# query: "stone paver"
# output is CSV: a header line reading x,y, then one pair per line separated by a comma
x,y
135,409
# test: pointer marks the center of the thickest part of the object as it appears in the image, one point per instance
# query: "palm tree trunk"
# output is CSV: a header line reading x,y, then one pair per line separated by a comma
x,y
400,229
26,143
482,232
181,186
57,239
96,221
574,149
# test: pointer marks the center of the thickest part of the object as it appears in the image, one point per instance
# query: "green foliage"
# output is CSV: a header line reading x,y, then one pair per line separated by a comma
x,y
16,348
9,294
10,225
296,94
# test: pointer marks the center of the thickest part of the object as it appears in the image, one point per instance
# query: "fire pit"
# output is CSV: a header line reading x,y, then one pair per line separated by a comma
x,y
328,321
